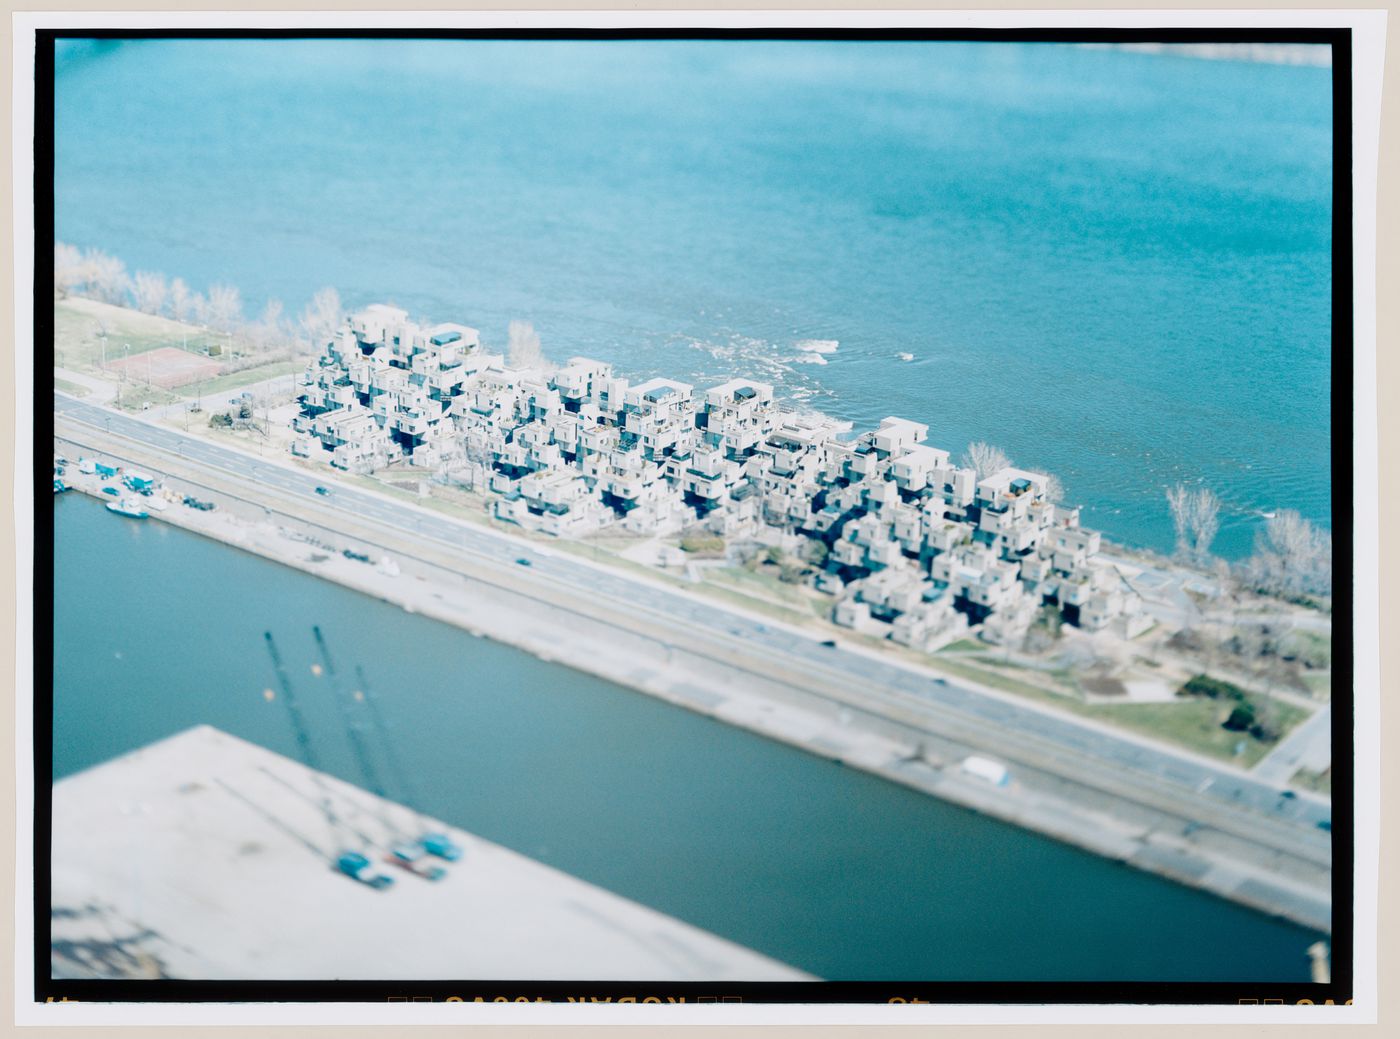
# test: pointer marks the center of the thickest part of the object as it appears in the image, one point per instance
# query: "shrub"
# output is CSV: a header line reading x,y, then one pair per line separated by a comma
x,y
707,544
1211,688
792,573
1241,719
221,419
1264,732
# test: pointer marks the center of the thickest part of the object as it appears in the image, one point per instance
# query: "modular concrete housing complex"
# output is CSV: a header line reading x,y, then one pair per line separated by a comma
x,y
910,545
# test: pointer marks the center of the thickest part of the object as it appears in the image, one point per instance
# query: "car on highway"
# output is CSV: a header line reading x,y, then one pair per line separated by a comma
x,y
522,561
324,492
829,643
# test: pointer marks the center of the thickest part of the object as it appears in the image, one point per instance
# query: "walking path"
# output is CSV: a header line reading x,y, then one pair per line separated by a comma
x,y
1308,746
99,391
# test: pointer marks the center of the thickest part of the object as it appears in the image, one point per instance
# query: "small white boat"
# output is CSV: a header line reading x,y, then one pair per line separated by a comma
x,y
905,356
127,507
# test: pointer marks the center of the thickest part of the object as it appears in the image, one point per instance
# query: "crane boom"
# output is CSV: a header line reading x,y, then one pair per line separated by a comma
x,y
308,756
352,728
439,844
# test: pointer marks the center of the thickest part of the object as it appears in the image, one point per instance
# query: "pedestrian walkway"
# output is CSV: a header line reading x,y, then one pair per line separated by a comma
x,y
1308,746
99,392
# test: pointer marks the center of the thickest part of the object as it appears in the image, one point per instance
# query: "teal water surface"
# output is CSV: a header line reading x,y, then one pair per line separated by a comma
x,y
1115,265
837,872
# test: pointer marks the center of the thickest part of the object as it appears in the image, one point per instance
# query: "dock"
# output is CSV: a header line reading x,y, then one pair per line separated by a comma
x,y
203,856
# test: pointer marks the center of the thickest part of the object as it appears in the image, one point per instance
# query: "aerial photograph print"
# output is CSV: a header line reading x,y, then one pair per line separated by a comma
x,y
683,517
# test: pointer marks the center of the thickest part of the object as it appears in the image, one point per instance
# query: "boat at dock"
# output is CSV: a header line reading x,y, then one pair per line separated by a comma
x,y
127,507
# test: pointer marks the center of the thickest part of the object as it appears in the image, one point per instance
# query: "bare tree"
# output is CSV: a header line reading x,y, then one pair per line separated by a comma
x,y
105,278
984,459
524,346
224,308
1291,556
68,272
270,330
148,291
322,317
181,300
1196,517
1054,489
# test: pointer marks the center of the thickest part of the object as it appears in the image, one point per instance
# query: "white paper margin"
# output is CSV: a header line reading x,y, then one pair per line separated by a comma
x,y
1368,46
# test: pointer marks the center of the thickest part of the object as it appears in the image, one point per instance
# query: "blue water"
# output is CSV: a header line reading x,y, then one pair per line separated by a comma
x,y
838,872
1114,265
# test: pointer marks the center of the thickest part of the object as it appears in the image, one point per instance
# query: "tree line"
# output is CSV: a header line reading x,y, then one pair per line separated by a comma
x,y
93,274
1292,557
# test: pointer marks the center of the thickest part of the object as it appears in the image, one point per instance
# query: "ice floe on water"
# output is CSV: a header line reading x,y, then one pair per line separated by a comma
x,y
735,355
817,346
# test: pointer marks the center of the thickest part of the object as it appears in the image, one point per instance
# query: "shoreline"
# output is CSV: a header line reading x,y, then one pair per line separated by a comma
x,y
891,738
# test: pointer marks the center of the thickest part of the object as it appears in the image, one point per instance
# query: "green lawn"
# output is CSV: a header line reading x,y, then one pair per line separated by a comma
x,y
78,346
758,583
1196,724
964,646
70,387
1319,782
1187,722
1319,685
134,394
237,380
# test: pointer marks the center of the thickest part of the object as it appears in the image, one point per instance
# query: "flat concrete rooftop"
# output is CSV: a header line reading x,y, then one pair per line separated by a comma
x,y
203,856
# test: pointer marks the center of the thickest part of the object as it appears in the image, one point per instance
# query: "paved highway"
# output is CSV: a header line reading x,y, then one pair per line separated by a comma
x,y
1299,816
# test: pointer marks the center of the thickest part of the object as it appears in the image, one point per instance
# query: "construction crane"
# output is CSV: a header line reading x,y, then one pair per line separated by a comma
x,y
434,843
353,864
405,853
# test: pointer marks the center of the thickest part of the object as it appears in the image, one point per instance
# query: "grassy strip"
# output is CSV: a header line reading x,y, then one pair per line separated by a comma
x,y
1320,686
237,380
964,646
763,585
1318,782
1190,723
133,396
71,388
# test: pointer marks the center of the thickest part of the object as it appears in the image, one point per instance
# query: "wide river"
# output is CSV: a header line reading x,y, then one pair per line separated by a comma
x,y
1114,265
837,872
